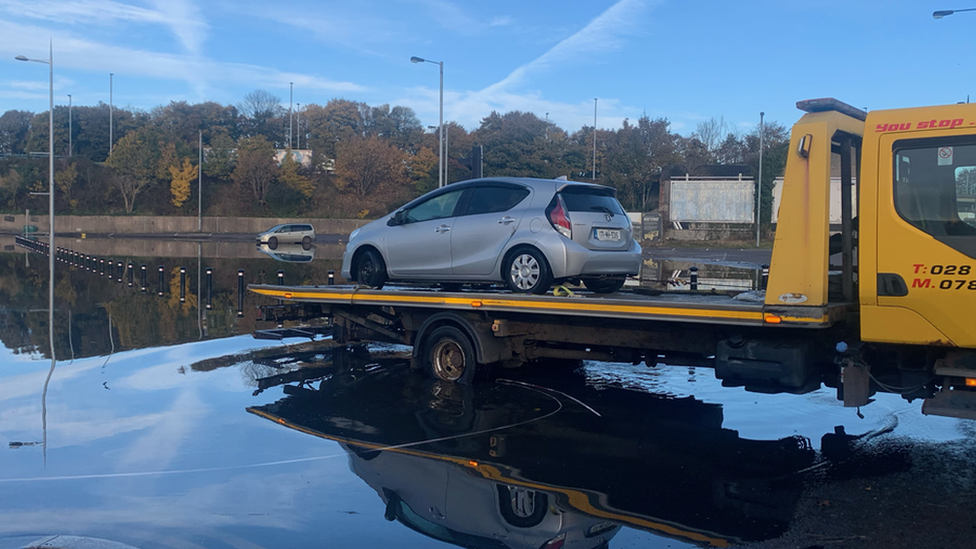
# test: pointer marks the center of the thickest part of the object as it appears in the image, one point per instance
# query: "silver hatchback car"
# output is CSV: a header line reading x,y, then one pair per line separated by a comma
x,y
288,233
525,233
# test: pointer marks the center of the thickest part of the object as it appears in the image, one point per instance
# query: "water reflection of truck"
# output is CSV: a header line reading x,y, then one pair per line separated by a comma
x,y
895,316
521,466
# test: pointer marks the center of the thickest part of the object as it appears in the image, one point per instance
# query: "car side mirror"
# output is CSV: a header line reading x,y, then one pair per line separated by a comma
x,y
398,218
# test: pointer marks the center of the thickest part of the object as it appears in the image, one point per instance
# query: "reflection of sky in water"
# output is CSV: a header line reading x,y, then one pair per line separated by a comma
x,y
144,454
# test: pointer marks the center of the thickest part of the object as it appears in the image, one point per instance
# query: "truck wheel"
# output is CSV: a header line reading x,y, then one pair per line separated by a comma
x,y
370,270
527,272
521,507
273,242
603,285
449,355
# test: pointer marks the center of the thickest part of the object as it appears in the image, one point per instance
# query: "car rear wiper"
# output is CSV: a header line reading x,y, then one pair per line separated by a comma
x,y
603,209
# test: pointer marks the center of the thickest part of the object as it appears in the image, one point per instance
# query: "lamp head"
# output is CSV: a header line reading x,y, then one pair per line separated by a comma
x,y
941,13
412,59
21,58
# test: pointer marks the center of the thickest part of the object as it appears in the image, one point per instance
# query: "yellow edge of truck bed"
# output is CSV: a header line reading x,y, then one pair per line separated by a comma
x,y
528,304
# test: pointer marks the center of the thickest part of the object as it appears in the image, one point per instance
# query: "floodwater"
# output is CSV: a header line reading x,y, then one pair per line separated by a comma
x,y
163,424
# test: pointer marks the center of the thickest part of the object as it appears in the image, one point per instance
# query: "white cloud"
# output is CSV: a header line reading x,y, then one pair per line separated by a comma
x,y
199,72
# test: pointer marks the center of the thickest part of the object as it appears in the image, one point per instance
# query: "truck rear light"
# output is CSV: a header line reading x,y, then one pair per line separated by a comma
x,y
559,217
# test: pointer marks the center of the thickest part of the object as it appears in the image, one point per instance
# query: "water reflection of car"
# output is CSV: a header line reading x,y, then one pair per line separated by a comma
x,y
525,233
649,461
291,253
288,233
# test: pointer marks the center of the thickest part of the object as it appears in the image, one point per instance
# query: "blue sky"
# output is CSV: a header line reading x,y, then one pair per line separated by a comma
x,y
685,61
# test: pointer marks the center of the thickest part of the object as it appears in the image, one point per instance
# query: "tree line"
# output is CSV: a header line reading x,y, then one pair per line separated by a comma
x,y
365,160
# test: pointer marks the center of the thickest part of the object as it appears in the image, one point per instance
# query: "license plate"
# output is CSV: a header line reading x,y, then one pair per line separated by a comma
x,y
608,235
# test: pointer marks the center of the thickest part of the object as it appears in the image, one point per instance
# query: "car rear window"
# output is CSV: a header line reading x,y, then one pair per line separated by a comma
x,y
589,199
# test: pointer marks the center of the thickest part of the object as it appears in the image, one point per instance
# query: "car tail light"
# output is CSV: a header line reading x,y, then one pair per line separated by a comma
x,y
559,217
555,543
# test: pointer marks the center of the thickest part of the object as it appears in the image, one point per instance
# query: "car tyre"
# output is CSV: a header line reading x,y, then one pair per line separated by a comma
x,y
306,242
449,356
526,271
603,285
370,270
521,507
273,242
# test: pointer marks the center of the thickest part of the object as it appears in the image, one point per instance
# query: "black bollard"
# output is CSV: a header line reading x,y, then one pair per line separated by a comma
x,y
161,270
281,277
87,260
101,267
694,278
142,277
765,276
121,267
240,293
209,288
131,268
182,284
331,277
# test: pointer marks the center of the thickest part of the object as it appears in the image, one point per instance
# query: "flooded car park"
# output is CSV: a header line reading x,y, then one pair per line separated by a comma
x,y
170,426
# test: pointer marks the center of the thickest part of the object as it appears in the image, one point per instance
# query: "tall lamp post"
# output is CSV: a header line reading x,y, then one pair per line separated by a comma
x,y
111,125
594,139
291,95
939,14
440,125
52,251
759,183
69,125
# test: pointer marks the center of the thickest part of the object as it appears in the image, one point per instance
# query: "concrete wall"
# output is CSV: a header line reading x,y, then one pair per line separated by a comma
x,y
108,224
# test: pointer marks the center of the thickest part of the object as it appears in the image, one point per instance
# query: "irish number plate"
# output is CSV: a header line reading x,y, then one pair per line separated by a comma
x,y
608,235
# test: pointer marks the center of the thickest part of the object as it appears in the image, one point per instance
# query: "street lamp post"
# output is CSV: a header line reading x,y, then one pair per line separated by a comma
x,y
298,124
69,125
111,125
939,14
440,127
291,94
759,183
52,251
594,139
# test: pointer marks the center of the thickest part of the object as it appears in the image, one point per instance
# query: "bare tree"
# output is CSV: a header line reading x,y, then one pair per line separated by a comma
x,y
712,132
259,104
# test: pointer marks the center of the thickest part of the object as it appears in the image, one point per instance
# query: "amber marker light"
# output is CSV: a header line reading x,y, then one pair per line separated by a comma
x,y
773,319
971,382
476,304
287,295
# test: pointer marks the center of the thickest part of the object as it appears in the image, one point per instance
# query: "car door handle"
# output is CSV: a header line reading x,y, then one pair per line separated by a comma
x,y
506,220
442,229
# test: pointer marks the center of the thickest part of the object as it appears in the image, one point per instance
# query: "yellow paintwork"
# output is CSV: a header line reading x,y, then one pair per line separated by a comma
x,y
798,270
889,244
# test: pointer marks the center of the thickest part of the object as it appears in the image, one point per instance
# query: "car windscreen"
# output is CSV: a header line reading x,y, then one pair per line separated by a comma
x,y
589,199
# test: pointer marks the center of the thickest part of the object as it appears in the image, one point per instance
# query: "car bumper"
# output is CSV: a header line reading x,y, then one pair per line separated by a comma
x,y
346,271
575,260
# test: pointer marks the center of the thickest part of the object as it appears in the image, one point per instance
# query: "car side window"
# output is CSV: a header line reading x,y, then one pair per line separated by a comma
x,y
494,199
438,207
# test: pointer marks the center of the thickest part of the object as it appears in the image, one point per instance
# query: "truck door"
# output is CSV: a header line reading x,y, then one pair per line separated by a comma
x,y
927,239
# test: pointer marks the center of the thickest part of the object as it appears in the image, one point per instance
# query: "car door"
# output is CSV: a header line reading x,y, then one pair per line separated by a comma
x,y
420,247
490,218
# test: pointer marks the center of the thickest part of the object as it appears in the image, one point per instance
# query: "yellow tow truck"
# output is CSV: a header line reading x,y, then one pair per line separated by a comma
x,y
898,314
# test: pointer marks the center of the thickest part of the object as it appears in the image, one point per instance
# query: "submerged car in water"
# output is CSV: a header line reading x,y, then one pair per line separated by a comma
x,y
525,233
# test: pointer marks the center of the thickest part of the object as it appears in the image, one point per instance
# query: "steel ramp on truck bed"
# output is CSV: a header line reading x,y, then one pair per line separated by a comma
x,y
704,307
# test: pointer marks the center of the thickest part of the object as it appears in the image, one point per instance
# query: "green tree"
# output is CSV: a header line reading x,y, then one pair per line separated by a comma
x,y
135,159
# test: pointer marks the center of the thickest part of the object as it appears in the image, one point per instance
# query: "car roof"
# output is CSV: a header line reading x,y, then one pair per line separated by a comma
x,y
526,181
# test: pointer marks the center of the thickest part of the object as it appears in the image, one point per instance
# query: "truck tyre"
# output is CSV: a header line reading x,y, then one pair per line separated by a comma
x,y
521,507
603,285
449,355
273,242
370,270
526,271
